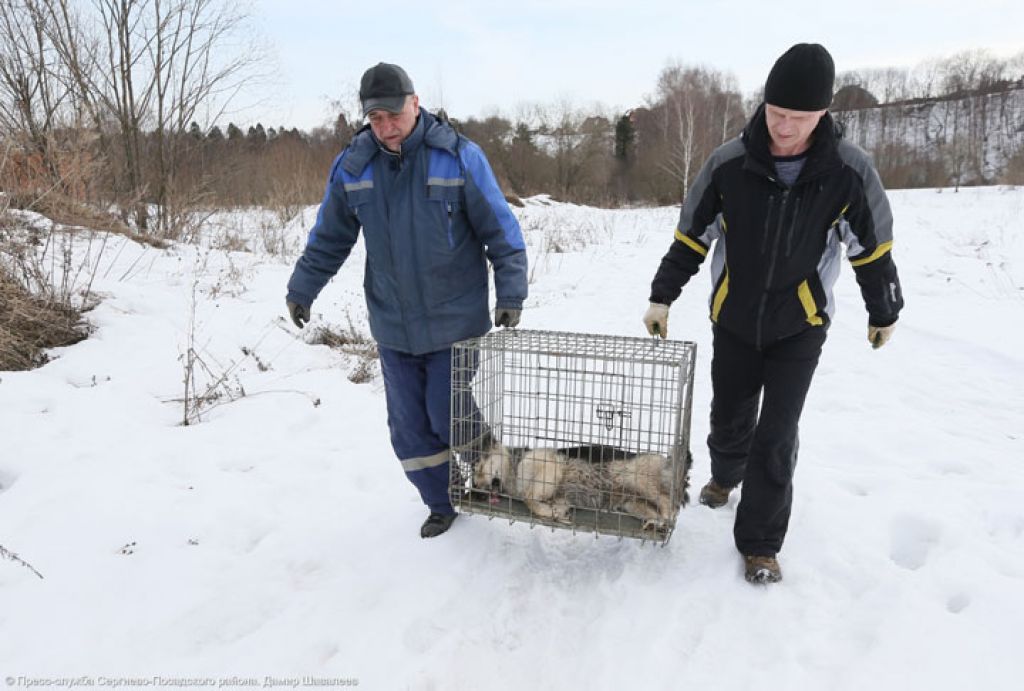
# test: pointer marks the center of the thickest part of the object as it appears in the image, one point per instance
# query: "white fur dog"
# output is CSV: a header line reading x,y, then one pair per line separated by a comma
x,y
552,482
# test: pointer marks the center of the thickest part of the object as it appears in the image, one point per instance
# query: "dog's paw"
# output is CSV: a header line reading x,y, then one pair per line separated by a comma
x,y
559,513
655,526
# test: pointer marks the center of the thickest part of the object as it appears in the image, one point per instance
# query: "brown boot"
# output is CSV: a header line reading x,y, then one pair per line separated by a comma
x,y
761,570
713,495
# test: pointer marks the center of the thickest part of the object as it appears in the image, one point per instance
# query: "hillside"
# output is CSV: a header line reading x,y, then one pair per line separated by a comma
x,y
973,138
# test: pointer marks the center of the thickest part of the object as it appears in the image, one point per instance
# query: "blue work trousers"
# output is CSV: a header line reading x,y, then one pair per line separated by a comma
x,y
418,390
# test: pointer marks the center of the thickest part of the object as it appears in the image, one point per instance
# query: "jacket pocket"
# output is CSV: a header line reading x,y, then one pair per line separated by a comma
x,y
359,202
447,215
450,208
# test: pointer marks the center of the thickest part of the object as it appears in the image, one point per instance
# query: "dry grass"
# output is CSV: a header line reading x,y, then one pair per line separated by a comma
x,y
29,326
41,301
1013,174
67,212
351,342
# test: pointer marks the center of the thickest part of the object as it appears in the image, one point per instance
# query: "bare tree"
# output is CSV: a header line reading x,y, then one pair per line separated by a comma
x,y
188,75
525,165
1015,67
679,121
494,135
580,146
32,96
926,79
885,85
972,71
164,66
694,111
149,68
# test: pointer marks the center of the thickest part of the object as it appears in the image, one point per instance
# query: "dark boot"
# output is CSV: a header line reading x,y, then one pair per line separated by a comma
x,y
713,495
436,524
761,570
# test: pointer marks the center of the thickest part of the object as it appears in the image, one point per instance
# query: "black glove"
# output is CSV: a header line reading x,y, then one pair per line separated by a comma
x,y
503,316
298,313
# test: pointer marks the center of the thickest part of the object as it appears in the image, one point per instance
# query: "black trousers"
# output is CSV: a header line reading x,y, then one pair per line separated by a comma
x,y
759,447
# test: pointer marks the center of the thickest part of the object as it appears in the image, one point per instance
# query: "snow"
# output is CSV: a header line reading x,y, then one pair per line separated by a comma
x,y
277,538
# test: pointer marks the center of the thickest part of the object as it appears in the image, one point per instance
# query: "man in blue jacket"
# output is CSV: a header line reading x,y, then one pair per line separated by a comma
x,y
432,215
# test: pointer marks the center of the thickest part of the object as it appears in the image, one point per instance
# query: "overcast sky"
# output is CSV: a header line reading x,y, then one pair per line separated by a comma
x,y
475,57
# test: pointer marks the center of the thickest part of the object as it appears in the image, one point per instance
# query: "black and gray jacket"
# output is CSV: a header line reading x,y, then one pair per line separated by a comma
x,y
778,250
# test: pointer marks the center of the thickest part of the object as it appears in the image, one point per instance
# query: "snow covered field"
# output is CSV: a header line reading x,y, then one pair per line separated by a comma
x,y
278,538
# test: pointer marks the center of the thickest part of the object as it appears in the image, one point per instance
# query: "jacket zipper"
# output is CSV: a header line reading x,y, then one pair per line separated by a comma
x,y
792,225
771,268
767,220
451,239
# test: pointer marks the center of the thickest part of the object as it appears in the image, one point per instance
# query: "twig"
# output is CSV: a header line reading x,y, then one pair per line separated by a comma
x,y
18,560
315,400
117,255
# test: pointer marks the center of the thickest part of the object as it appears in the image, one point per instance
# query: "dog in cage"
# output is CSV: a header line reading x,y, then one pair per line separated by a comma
x,y
554,482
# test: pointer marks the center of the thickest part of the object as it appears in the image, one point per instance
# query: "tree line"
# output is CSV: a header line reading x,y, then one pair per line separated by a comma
x,y
950,121
118,104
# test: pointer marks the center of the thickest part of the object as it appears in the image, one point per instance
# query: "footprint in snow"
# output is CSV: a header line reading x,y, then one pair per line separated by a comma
x,y
421,635
958,603
911,540
6,480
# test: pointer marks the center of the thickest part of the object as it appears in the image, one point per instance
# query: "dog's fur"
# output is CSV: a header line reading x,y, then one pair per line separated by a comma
x,y
552,482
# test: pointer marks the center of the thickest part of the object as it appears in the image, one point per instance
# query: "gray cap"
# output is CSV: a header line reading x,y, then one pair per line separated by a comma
x,y
385,86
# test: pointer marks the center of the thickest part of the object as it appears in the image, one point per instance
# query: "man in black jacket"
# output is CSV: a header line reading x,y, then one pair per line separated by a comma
x,y
776,203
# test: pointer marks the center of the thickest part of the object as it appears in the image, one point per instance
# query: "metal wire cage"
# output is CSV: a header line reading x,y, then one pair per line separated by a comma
x,y
578,431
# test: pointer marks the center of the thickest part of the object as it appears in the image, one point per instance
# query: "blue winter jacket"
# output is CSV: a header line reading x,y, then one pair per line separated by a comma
x,y
432,216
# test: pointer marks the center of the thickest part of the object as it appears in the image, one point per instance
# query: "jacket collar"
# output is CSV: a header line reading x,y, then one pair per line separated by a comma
x,y
439,134
429,130
821,157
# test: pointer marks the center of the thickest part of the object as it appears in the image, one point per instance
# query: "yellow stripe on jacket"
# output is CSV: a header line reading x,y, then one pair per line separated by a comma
x,y
807,300
716,304
879,251
691,243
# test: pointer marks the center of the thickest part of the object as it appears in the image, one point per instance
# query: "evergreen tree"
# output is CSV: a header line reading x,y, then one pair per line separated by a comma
x,y
257,135
625,135
343,129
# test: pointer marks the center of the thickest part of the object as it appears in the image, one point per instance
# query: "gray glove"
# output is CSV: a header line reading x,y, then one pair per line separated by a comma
x,y
298,313
503,316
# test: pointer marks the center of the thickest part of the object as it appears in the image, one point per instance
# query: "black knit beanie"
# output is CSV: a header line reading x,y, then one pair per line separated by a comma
x,y
801,79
